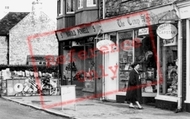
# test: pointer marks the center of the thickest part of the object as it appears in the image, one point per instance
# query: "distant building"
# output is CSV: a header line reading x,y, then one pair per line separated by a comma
x,y
17,27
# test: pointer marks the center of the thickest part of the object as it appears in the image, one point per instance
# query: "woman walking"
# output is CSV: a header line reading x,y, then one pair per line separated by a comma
x,y
133,93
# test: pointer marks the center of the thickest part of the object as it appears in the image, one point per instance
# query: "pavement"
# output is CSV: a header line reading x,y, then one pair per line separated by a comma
x,y
86,108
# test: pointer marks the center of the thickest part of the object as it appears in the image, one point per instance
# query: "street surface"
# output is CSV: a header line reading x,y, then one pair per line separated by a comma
x,y
12,110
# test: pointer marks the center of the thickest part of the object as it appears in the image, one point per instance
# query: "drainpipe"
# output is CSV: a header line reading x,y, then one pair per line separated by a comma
x,y
103,9
8,50
179,105
103,17
180,45
187,60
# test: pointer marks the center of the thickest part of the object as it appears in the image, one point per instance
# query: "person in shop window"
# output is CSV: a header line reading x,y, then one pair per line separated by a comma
x,y
133,93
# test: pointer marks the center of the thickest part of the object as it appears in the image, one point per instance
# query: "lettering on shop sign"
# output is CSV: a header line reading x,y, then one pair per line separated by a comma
x,y
166,31
120,23
83,30
71,33
79,31
133,21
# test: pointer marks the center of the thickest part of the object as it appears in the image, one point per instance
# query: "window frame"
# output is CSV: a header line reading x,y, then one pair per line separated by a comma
x,y
80,4
59,7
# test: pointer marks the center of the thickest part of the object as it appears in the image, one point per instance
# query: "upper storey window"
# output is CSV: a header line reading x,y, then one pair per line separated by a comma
x,y
70,6
80,4
59,7
91,3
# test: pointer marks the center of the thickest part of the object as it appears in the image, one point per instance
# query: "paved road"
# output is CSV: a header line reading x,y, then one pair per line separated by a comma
x,y
12,110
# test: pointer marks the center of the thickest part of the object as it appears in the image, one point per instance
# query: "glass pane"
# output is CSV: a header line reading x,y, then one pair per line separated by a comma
x,y
125,58
169,64
145,53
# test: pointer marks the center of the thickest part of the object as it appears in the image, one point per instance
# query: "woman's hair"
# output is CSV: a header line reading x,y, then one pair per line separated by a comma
x,y
173,72
134,64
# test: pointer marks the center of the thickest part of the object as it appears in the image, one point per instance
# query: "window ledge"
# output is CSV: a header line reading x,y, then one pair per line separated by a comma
x,y
87,9
187,101
167,98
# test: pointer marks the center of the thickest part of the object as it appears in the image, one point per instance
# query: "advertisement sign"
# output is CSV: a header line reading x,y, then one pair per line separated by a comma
x,y
166,31
104,45
143,31
184,12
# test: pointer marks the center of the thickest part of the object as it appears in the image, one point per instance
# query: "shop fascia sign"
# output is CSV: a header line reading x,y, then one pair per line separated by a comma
x,y
184,12
166,31
79,31
135,20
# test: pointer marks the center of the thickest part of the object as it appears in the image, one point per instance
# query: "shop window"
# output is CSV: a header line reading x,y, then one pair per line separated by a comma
x,y
169,65
125,57
59,7
91,3
145,53
80,4
70,6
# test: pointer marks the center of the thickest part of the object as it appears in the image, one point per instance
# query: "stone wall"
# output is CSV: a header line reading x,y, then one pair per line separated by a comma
x,y
119,7
32,25
3,50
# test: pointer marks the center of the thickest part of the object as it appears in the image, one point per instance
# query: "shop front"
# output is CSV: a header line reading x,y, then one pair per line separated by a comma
x,y
173,54
79,60
135,39
184,11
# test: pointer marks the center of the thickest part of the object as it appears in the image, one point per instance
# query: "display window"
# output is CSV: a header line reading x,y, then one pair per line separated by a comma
x,y
146,53
168,66
125,57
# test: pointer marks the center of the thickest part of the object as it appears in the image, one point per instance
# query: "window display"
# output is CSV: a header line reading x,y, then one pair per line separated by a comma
x,y
125,57
145,51
169,67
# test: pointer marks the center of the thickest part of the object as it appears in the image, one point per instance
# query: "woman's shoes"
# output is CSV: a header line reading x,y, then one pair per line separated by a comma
x,y
131,106
140,108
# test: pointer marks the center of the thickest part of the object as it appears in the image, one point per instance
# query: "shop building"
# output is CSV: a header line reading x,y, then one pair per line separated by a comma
x,y
155,35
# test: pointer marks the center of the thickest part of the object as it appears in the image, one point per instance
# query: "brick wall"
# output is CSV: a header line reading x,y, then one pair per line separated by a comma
x,y
3,50
119,7
43,45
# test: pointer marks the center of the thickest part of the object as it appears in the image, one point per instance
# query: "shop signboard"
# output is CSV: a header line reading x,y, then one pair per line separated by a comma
x,y
166,31
135,20
79,31
143,31
184,12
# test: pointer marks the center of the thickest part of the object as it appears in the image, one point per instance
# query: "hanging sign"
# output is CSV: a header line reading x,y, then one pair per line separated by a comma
x,y
166,31
104,45
143,31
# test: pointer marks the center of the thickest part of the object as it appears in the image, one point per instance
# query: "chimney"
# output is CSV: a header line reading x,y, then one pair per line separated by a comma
x,y
36,7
